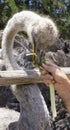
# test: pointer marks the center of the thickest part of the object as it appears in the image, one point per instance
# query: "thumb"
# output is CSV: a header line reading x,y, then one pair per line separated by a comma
x,y
48,68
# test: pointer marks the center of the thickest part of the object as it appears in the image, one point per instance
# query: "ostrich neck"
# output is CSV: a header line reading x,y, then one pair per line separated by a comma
x,y
9,33
7,48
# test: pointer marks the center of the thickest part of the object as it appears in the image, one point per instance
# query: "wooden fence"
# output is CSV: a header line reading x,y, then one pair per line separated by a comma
x,y
24,76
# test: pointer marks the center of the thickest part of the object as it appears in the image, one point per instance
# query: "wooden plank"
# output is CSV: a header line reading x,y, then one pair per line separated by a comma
x,y
24,76
20,77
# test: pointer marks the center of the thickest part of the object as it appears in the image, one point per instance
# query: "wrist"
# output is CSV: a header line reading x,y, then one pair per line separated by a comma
x,y
67,82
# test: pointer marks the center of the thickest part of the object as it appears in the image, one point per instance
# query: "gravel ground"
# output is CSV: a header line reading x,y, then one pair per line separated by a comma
x,y
62,121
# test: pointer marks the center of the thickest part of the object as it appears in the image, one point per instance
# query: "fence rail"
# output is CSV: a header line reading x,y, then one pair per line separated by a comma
x,y
24,76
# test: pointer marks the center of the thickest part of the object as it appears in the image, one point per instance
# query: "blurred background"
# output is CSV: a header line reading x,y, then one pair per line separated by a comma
x,y
59,10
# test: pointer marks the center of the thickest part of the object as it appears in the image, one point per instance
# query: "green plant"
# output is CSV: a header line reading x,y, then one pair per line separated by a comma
x,y
51,86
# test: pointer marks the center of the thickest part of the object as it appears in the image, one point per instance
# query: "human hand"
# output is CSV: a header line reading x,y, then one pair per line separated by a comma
x,y
55,75
60,81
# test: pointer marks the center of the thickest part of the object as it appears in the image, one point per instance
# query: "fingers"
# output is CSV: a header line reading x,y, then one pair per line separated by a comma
x,y
43,72
49,63
48,82
48,67
47,79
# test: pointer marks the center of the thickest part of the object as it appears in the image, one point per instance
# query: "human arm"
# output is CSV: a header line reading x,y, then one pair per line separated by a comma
x,y
60,81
